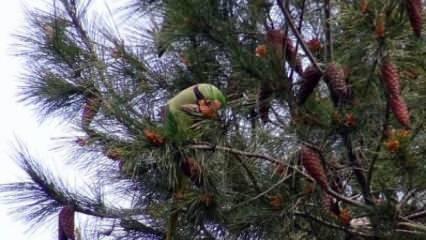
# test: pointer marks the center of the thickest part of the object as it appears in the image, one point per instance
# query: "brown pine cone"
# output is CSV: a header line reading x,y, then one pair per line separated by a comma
x,y
311,161
335,78
275,36
278,40
66,223
311,77
293,59
115,154
390,76
345,216
264,101
400,109
154,137
330,204
414,11
363,6
90,109
276,201
380,25
192,169
314,45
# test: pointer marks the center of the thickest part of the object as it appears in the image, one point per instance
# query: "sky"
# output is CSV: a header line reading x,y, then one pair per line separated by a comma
x,y
20,122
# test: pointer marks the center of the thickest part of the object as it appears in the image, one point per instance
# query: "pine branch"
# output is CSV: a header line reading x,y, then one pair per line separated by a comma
x,y
247,154
42,196
51,92
276,161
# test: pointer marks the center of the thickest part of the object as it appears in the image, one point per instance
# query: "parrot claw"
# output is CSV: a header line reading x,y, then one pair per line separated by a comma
x,y
192,109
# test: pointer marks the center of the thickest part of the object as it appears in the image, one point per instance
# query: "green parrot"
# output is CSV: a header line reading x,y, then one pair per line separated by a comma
x,y
197,101
200,100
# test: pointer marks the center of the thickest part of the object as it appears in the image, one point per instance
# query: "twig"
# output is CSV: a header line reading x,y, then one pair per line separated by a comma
x,y
379,145
249,173
327,29
407,197
298,36
420,227
262,193
345,199
356,168
290,85
416,215
334,226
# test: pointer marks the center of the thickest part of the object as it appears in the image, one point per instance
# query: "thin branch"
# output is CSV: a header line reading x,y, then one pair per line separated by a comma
x,y
379,145
357,170
249,174
416,215
247,154
331,225
290,85
282,180
345,199
415,226
298,35
327,28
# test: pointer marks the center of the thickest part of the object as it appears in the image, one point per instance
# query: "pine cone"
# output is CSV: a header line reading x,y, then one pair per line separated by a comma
x,y
345,216
311,77
363,6
115,154
278,40
192,169
153,137
334,76
414,10
314,45
293,59
264,99
261,51
330,204
380,25
400,109
311,160
66,223
90,109
390,77
276,201
275,36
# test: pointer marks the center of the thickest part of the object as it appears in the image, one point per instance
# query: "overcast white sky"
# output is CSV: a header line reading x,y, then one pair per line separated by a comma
x,y
19,122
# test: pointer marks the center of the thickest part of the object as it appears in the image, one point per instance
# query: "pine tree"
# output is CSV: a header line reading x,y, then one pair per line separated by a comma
x,y
314,128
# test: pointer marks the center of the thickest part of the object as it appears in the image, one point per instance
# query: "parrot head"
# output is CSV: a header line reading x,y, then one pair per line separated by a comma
x,y
213,94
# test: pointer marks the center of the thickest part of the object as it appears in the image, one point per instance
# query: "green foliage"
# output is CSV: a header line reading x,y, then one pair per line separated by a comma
x,y
236,176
